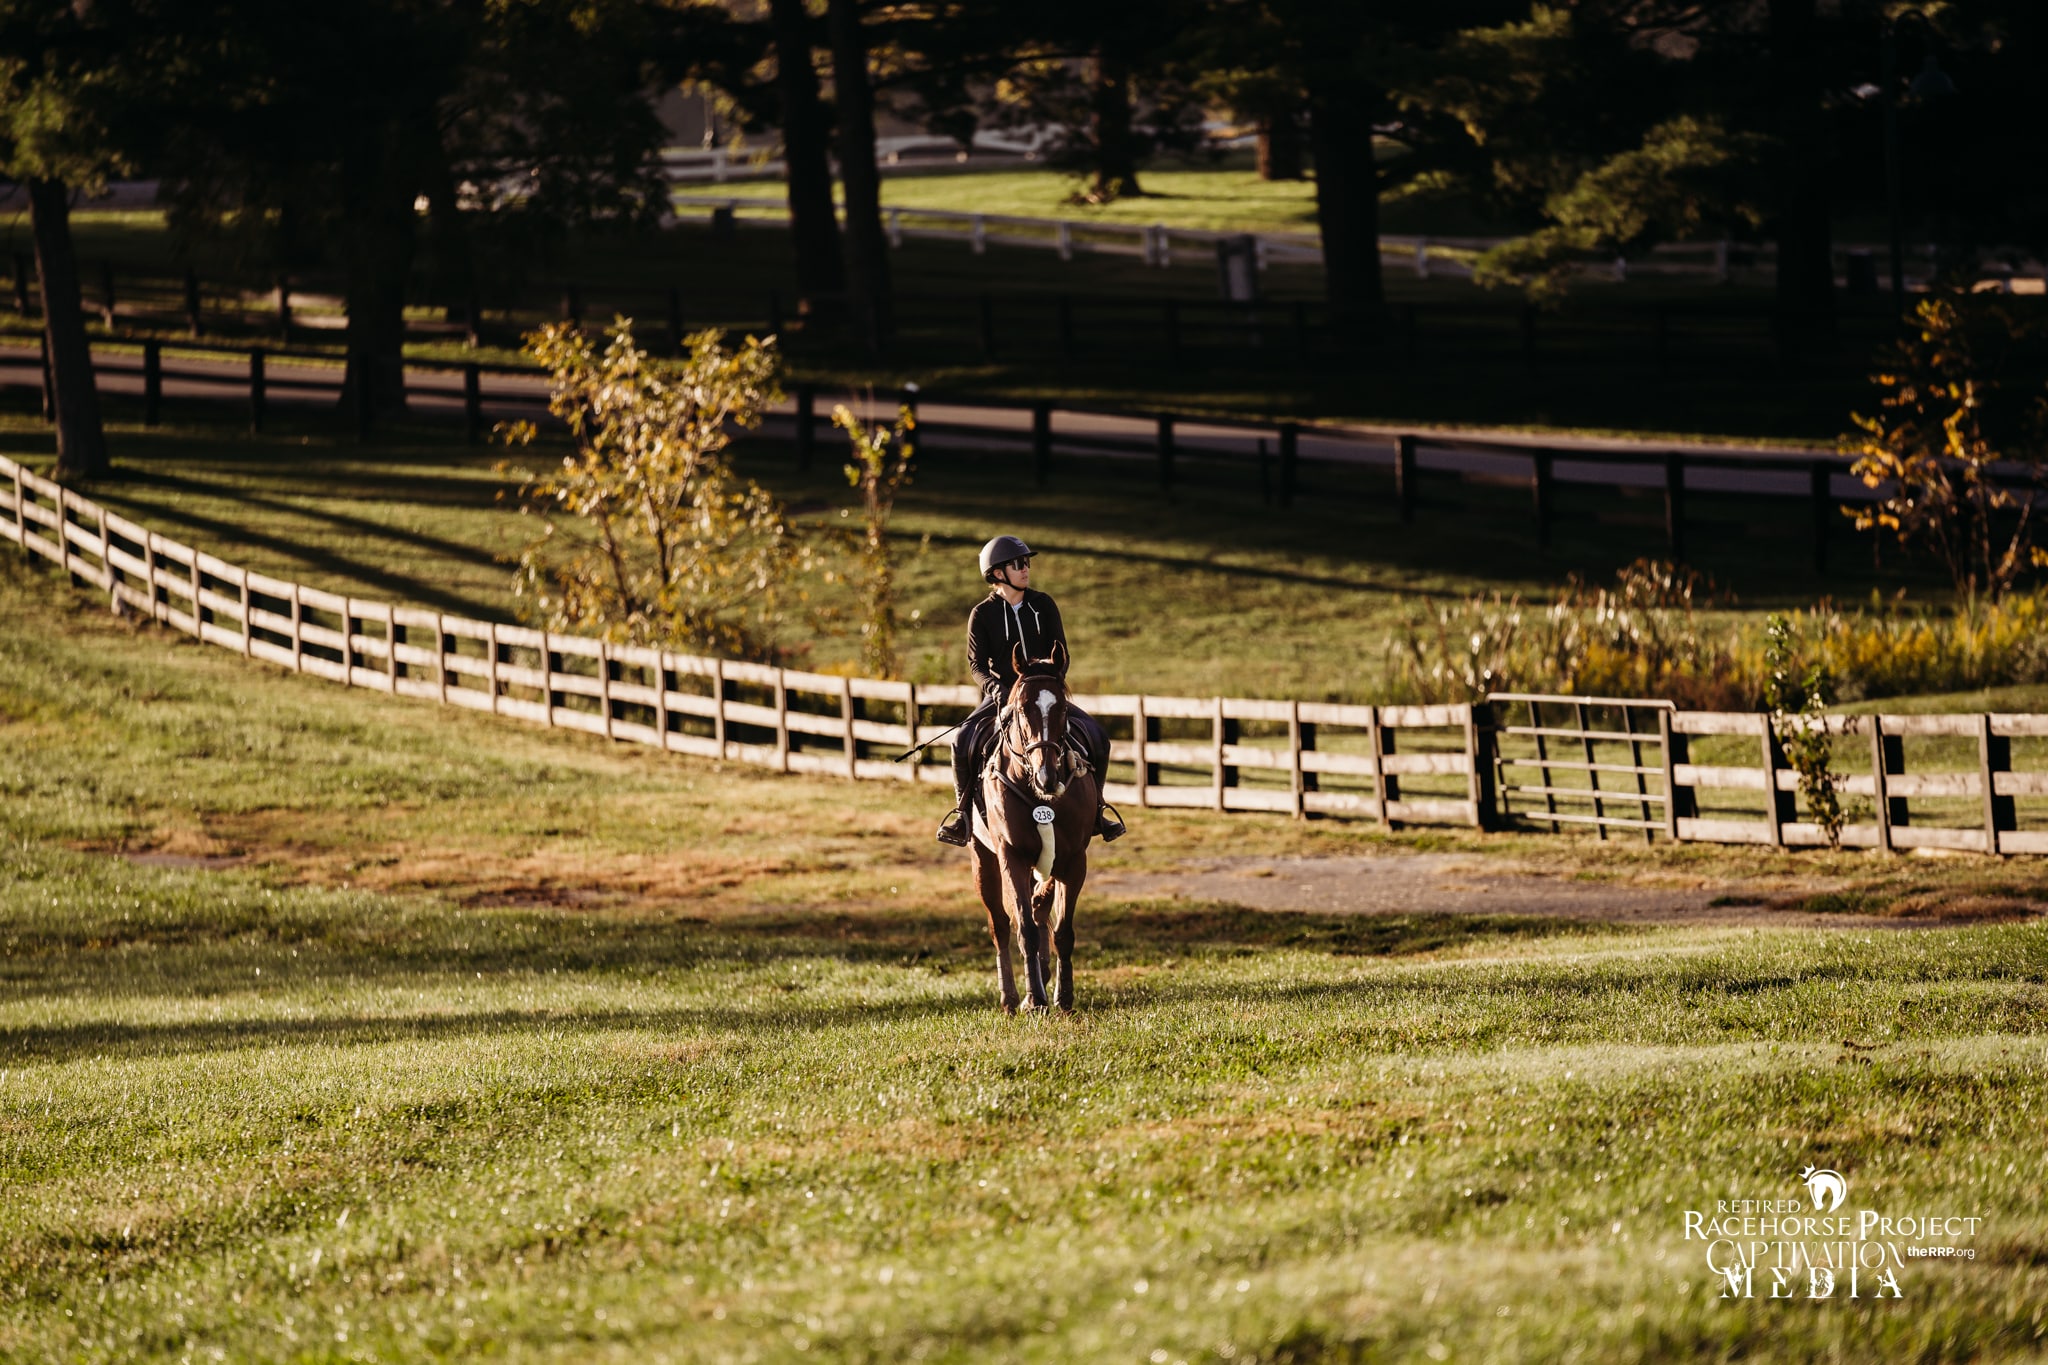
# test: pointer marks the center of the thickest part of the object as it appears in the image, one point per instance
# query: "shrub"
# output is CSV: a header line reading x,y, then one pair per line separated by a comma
x,y
1961,390
649,537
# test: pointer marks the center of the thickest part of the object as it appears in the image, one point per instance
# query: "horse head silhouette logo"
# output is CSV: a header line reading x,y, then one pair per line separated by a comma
x,y
1826,1188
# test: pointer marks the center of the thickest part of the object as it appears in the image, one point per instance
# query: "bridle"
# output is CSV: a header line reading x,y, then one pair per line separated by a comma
x,y
1064,763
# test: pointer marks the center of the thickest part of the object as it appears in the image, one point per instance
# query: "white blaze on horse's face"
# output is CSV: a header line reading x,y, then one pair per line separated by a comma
x,y
1046,701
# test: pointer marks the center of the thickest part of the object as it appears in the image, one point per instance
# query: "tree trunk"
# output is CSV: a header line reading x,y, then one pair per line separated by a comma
x,y
81,442
1347,204
1279,146
1806,270
867,250
377,252
814,229
1116,152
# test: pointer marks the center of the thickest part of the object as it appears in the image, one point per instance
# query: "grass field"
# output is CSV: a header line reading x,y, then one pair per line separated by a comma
x,y
1322,588
335,1028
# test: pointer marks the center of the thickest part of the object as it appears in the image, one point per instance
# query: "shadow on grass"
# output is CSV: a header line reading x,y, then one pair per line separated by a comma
x,y
192,961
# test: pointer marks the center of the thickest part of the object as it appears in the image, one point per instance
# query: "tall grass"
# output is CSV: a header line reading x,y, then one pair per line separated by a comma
x,y
1656,633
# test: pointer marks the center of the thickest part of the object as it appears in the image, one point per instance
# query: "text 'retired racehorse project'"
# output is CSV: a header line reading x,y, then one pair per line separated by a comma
x,y
1030,849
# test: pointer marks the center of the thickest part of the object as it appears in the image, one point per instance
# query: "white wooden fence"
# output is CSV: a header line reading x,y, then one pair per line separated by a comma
x,y
1312,757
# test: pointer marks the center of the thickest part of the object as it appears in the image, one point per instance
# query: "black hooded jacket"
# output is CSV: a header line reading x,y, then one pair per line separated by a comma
x,y
992,630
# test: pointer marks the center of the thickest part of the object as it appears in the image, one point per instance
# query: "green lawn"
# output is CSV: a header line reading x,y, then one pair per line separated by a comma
x,y
1262,600
435,1035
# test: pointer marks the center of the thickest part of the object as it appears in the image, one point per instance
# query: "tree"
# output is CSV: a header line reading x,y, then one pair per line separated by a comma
x,y
1964,389
330,125
59,74
867,248
806,137
648,536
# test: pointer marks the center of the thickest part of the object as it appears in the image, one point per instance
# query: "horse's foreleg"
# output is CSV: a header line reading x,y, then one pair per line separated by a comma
x,y
1065,903
1030,924
988,878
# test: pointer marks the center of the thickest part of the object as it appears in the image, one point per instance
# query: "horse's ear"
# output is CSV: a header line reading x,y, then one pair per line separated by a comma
x,y
1018,659
1059,657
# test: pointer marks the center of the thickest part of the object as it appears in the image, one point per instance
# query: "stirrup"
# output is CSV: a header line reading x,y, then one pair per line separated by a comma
x,y
1109,823
954,829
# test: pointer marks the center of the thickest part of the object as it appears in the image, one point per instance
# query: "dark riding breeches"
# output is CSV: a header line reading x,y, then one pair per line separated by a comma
x,y
976,737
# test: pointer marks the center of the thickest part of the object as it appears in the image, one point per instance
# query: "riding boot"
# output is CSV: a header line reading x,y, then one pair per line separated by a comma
x,y
958,826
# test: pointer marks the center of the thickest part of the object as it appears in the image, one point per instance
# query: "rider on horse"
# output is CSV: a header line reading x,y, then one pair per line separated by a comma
x,y
1011,614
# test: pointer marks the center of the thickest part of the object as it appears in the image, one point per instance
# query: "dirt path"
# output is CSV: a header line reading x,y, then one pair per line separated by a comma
x,y
1440,883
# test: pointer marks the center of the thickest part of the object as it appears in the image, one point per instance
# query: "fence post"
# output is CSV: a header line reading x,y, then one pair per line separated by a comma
x,y
391,648
1294,758
547,681
256,389
806,429
1994,756
248,608
1041,441
661,658
441,656
1141,730
473,401
1820,484
1887,756
1773,813
1478,752
1166,453
1674,504
194,322
1664,738
491,673
298,624
1220,737
781,721
1404,475
847,709
718,705
1290,453
152,382
1378,743
365,400
1539,494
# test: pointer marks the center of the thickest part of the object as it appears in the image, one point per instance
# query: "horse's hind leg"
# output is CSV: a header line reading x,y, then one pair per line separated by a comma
x,y
988,877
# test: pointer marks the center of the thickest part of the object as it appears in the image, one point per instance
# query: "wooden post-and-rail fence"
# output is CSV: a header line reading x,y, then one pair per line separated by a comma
x,y
1641,767
1312,758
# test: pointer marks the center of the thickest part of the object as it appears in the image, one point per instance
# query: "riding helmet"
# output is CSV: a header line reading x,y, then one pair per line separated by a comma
x,y
1002,550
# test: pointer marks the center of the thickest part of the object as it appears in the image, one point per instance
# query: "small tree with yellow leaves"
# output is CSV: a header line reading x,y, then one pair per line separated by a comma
x,y
648,536
881,465
1959,392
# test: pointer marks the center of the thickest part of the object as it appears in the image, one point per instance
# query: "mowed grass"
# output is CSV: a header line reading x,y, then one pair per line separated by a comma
x,y
1213,589
473,1039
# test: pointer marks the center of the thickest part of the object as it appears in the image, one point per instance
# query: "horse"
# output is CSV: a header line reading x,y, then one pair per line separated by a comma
x,y
1031,832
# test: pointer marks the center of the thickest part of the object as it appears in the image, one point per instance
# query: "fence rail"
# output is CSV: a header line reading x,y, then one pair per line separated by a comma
x,y
1407,764
1609,763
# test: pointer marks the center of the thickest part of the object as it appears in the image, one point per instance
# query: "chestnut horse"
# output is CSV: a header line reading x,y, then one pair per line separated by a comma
x,y
1038,810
